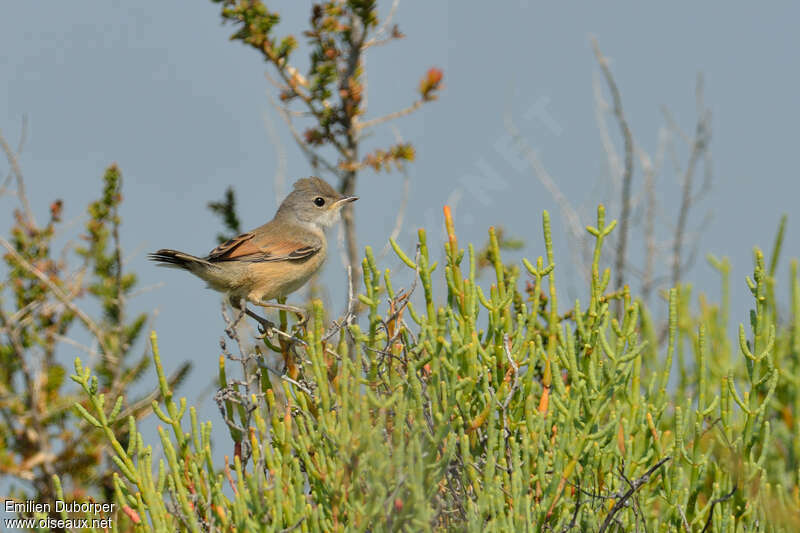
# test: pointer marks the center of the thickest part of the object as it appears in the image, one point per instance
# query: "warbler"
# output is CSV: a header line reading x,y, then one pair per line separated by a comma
x,y
273,260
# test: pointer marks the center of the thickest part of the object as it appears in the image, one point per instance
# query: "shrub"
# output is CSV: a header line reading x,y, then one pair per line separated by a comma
x,y
496,409
40,436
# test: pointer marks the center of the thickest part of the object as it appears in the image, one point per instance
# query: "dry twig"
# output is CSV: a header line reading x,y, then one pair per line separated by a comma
x,y
627,176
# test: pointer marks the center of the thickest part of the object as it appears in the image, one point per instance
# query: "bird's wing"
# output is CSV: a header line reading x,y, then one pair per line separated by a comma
x,y
264,246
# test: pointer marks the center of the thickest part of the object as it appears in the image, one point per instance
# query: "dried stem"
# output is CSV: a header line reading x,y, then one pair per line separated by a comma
x,y
568,212
627,176
650,169
279,181
698,147
634,486
90,324
15,168
401,210
391,116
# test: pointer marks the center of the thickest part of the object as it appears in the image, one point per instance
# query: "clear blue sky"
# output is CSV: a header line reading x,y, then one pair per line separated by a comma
x,y
158,88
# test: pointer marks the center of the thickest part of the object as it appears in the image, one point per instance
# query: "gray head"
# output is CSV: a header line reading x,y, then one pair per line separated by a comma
x,y
313,201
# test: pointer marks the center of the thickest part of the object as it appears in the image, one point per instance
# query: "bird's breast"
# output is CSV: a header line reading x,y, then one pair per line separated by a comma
x,y
269,280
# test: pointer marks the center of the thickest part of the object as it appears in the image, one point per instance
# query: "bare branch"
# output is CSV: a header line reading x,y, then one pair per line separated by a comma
x,y
14,163
146,289
72,342
279,181
570,215
698,147
401,210
714,502
650,169
627,176
600,109
349,314
23,136
673,125
314,158
378,37
90,324
634,486
386,118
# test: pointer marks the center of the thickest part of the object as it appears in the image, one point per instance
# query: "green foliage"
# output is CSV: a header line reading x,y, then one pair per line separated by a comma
x,y
109,284
493,410
226,210
325,108
40,434
332,91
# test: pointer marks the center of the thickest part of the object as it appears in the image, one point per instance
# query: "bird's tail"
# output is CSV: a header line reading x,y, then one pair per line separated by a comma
x,y
175,259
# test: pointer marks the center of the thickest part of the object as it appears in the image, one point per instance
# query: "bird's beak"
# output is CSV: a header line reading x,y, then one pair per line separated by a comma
x,y
346,200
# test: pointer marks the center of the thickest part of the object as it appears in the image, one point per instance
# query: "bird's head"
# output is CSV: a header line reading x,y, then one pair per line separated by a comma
x,y
313,201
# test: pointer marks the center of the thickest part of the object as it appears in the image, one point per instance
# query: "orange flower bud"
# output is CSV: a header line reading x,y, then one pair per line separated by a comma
x,y
431,83
133,515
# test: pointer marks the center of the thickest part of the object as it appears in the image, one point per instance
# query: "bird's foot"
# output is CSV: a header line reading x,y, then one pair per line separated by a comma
x,y
302,314
266,328
302,321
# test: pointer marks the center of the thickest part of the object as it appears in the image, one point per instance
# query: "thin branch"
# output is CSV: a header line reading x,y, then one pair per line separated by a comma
x,y
120,293
634,486
72,342
714,502
314,159
23,197
401,210
35,406
627,176
296,383
386,118
649,225
23,136
349,314
674,126
650,169
59,294
601,107
279,181
347,182
295,526
144,404
698,146
342,246
570,215
146,289
377,37
684,521
283,69
574,518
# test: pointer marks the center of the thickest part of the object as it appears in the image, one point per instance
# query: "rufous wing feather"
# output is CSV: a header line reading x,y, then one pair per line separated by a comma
x,y
247,248
230,249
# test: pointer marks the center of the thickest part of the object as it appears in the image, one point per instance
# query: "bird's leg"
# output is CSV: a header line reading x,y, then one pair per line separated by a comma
x,y
265,327
301,313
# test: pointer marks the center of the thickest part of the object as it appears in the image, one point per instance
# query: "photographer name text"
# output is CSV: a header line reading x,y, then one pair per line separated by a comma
x,y
31,507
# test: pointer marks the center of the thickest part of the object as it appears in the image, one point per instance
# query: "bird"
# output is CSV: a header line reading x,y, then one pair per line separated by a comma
x,y
273,260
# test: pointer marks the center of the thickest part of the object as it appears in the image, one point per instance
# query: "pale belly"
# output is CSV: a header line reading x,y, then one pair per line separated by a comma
x,y
267,281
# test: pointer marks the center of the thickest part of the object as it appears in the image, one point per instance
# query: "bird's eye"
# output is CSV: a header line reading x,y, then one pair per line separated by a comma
x,y
319,201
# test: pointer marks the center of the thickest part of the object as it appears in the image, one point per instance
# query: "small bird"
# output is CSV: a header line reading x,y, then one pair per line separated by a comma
x,y
273,260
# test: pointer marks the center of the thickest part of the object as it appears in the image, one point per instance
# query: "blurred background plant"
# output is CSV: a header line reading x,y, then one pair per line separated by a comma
x,y
490,410
453,404
325,109
665,239
75,296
